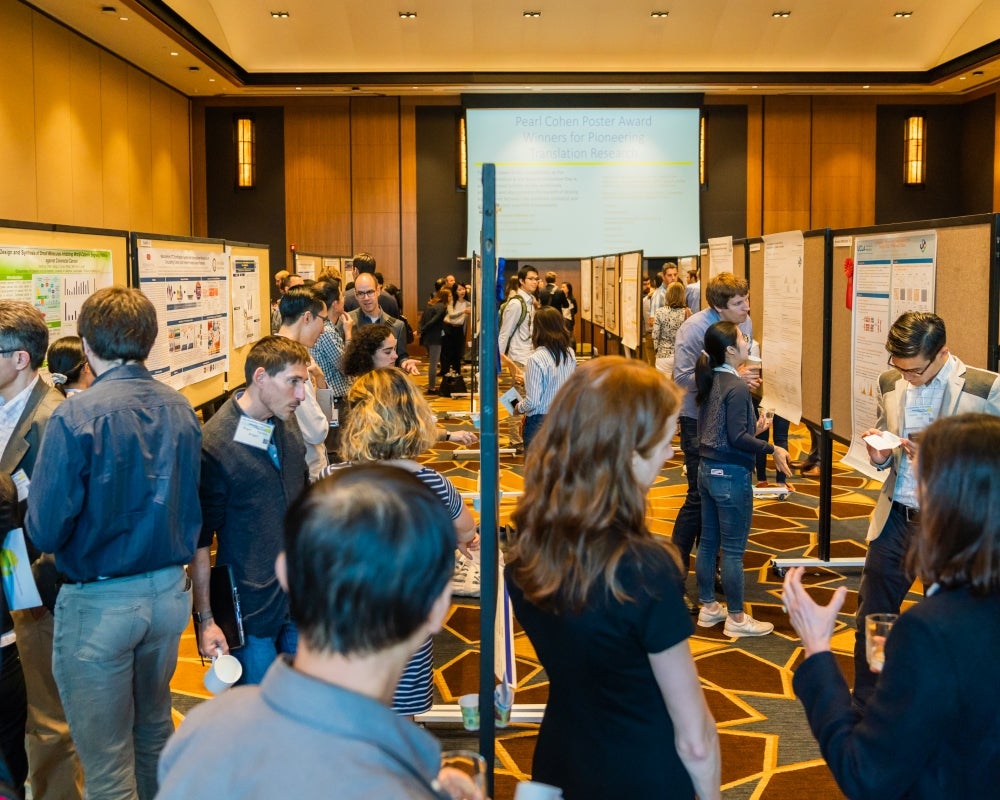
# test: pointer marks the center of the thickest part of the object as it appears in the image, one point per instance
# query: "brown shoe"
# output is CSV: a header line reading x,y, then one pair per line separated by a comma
x,y
812,472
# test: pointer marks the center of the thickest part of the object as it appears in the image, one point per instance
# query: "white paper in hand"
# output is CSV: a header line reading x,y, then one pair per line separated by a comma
x,y
15,570
510,398
883,441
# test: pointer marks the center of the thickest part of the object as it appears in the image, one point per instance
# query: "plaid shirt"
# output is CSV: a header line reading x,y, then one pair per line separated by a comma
x,y
328,352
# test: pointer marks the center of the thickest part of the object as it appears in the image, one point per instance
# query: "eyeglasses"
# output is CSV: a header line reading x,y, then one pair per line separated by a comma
x,y
366,293
323,317
915,372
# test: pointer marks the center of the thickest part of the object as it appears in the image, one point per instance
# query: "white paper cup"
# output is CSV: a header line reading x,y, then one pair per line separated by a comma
x,y
223,673
469,704
474,416
533,790
503,699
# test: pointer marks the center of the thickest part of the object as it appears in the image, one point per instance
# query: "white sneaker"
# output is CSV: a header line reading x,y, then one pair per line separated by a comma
x,y
749,627
706,618
465,581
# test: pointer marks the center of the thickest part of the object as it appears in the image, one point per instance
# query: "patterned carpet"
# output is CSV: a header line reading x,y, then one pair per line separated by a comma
x,y
768,752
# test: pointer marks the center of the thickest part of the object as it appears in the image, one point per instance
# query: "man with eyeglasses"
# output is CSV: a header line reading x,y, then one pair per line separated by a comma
x,y
365,263
369,313
923,383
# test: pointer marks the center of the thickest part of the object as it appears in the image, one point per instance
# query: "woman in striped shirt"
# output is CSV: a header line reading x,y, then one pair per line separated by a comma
x,y
547,369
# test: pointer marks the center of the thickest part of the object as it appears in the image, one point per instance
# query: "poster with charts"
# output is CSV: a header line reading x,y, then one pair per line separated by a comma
x,y
190,290
246,299
55,281
893,273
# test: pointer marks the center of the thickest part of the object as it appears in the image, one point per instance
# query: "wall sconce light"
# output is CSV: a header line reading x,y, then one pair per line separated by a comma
x,y
702,148
914,152
246,153
461,156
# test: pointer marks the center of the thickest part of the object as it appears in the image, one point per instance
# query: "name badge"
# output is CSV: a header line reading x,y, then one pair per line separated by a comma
x,y
22,483
254,433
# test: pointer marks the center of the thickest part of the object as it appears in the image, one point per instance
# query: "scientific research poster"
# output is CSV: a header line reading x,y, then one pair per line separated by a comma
x,y
781,340
190,290
55,281
246,299
720,255
893,273
585,295
630,310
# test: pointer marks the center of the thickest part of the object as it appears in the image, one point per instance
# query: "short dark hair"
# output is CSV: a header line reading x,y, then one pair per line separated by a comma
x,y
522,273
916,333
379,278
359,355
364,262
345,596
118,323
22,327
959,487
66,358
297,301
723,288
274,353
328,290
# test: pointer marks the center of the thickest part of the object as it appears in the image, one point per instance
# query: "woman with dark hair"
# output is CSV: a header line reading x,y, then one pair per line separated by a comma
x,y
456,324
371,347
666,322
432,333
727,429
390,422
546,370
68,365
601,598
569,311
931,728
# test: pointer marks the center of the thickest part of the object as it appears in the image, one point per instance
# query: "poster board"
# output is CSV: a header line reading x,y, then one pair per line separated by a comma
x,y
597,287
631,299
187,281
612,296
306,265
239,254
55,268
586,298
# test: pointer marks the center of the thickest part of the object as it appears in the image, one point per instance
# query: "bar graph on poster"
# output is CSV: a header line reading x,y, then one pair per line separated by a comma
x,y
56,281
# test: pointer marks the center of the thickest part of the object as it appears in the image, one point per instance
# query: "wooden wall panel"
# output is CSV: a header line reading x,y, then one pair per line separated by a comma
x,y
786,163
318,176
163,199
85,133
114,141
140,153
53,120
375,182
18,188
180,164
408,206
843,162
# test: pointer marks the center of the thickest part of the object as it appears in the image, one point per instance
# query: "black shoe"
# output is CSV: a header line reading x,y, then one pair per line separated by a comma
x,y
692,606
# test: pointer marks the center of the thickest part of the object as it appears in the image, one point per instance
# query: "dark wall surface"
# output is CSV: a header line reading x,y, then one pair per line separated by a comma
x,y
724,197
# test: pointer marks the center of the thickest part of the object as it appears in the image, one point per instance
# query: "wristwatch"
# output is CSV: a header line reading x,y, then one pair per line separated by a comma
x,y
201,617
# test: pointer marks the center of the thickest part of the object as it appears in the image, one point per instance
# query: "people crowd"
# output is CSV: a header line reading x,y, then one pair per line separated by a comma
x,y
306,491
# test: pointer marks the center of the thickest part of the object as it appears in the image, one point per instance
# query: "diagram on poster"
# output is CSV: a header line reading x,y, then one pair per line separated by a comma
x,y
190,290
246,299
55,281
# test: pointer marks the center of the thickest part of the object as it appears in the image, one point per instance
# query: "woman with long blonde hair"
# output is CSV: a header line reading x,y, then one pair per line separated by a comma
x,y
601,598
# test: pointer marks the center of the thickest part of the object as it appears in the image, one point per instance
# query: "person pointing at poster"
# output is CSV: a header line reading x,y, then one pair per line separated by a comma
x,y
924,382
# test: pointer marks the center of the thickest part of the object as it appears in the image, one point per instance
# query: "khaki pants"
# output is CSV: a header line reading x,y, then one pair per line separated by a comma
x,y
53,769
648,350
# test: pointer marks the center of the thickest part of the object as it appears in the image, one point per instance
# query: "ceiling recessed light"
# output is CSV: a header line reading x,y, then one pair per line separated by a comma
x,y
109,10
211,80
298,88
962,78
193,68
531,14
279,15
123,19
866,86
407,14
659,14
781,14
174,53
903,14
978,72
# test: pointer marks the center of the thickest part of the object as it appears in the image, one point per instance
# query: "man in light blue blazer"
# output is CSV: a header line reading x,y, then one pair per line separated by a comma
x,y
924,382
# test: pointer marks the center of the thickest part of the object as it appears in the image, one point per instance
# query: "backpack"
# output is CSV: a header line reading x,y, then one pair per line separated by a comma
x,y
409,329
520,319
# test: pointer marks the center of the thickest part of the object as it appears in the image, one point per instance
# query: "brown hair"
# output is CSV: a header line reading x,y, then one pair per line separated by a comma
x,y
580,512
958,466
389,418
676,295
723,288
548,330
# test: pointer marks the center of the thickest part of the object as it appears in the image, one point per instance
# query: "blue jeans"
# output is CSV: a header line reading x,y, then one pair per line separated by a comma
x,y
259,652
726,510
114,653
687,526
532,424
884,584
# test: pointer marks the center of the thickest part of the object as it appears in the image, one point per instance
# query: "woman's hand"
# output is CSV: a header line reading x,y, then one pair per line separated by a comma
x,y
782,460
468,546
763,423
812,622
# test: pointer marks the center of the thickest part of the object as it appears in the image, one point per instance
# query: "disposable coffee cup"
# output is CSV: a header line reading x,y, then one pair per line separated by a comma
x,y
474,416
533,790
755,365
503,699
469,704
223,673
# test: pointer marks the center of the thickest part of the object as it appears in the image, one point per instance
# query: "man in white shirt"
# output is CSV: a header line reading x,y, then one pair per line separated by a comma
x,y
515,335
923,383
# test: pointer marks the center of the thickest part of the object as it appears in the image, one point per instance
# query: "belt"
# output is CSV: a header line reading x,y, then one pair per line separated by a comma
x,y
912,514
